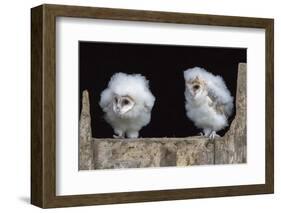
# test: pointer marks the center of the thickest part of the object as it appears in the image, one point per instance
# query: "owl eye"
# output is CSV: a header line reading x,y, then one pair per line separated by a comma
x,y
196,87
125,102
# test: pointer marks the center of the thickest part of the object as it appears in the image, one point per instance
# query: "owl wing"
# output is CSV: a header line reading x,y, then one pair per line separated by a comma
x,y
147,108
106,99
220,96
219,106
149,101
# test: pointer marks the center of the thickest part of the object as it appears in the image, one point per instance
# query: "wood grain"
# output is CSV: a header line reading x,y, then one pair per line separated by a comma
x,y
269,121
233,147
85,135
36,107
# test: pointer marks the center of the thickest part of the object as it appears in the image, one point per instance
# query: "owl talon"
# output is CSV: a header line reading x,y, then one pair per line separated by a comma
x,y
118,136
213,135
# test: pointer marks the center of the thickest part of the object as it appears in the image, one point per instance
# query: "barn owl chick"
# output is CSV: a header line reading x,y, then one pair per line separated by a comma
x,y
127,103
208,101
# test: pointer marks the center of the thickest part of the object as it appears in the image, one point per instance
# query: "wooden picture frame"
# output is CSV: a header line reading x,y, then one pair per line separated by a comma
x,y
43,105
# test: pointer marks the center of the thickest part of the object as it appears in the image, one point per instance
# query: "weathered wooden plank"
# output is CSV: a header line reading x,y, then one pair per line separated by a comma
x,y
233,147
85,142
153,152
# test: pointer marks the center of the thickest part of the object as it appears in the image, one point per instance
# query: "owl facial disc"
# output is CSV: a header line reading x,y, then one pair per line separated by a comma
x,y
195,87
122,104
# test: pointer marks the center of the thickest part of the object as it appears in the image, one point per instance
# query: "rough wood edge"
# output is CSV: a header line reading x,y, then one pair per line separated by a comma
x,y
233,147
85,132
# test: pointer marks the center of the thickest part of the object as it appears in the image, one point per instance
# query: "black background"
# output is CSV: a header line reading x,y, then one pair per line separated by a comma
x,y
163,66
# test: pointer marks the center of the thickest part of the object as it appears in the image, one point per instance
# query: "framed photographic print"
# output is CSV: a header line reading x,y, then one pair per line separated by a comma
x,y
136,106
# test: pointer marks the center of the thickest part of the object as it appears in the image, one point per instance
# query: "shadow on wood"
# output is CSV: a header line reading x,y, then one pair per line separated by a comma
x,y
108,153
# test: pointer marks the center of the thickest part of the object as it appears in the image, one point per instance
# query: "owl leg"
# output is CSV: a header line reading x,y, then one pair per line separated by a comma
x,y
118,133
207,132
132,134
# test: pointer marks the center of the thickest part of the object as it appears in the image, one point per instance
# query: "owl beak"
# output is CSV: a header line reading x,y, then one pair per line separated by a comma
x,y
118,109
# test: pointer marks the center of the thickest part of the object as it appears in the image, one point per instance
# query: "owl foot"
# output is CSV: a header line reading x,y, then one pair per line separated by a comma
x,y
212,135
118,136
132,134
201,134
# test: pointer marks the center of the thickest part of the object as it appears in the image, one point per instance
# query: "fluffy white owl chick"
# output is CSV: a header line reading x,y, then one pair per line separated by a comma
x,y
208,101
127,103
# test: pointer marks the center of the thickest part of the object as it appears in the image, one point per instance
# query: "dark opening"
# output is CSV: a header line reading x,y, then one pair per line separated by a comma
x,y
163,66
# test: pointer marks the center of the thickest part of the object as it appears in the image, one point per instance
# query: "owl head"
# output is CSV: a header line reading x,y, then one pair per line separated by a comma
x,y
195,87
122,104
